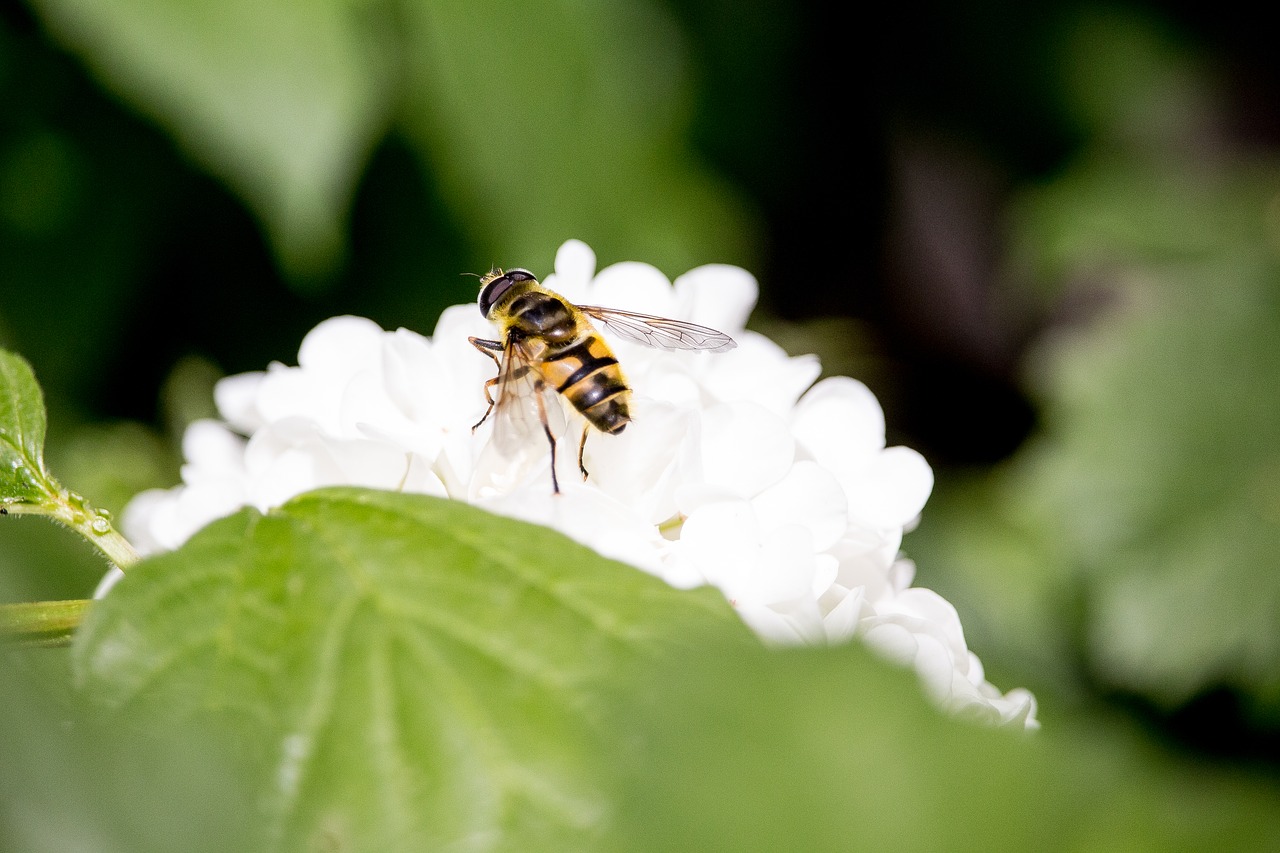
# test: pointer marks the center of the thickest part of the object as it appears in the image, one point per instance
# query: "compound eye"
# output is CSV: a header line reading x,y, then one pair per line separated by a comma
x,y
493,291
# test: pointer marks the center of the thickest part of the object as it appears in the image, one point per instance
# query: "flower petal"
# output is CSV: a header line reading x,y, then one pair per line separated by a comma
x,y
758,370
809,496
745,448
643,465
633,286
891,489
340,345
574,266
236,398
716,295
840,423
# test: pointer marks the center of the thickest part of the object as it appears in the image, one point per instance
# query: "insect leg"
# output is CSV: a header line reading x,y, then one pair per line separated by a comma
x,y
488,399
582,447
538,397
491,349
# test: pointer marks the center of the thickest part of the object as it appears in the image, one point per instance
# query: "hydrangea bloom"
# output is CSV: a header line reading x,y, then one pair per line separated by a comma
x,y
737,471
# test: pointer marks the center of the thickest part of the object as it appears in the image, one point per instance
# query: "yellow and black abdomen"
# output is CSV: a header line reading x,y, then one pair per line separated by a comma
x,y
574,359
587,374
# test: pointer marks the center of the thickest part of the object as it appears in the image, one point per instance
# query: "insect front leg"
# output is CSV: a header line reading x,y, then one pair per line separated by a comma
x,y
491,349
488,399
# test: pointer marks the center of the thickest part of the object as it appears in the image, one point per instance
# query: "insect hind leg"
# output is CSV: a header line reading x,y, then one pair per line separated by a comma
x,y
546,429
582,448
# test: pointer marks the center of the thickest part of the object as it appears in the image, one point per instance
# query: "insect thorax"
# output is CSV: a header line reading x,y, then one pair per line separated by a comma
x,y
536,314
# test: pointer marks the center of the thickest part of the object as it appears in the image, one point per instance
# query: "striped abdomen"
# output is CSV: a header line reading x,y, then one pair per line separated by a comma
x,y
573,360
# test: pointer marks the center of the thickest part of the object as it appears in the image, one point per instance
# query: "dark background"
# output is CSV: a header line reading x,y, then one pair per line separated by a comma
x,y
877,152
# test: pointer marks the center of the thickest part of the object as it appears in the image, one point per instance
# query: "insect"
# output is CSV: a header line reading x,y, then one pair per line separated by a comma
x,y
546,344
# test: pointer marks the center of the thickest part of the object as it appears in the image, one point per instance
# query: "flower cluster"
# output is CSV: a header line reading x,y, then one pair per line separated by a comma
x,y
737,470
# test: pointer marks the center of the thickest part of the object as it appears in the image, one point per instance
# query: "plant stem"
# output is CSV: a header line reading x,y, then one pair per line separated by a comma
x,y
41,623
75,512
118,550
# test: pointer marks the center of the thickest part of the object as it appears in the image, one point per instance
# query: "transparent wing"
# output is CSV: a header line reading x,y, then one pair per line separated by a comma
x,y
524,408
659,332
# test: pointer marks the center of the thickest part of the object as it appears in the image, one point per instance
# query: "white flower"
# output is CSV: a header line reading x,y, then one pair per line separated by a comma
x,y
736,471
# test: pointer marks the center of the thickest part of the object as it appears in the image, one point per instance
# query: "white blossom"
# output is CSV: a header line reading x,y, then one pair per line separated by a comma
x,y
736,471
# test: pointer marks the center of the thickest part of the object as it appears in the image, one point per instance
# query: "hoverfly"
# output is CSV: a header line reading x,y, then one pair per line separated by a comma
x,y
547,344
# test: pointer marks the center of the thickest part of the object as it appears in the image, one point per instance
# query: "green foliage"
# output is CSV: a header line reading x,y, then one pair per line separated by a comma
x,y
1162,474
38,562
1128,77
26,487
22,426
76,780
399,672
376,671
830,750
542,120
283,103
372,671
557,119
1142,522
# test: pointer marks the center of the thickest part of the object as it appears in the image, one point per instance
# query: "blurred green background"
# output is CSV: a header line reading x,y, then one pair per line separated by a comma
x,y
1049,240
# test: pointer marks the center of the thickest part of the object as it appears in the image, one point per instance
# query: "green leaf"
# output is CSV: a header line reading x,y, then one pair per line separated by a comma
x,y
22,425
538,120
402,672
1130,78
282,101
1162,473
1147,510
829,750
75,779
549,119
